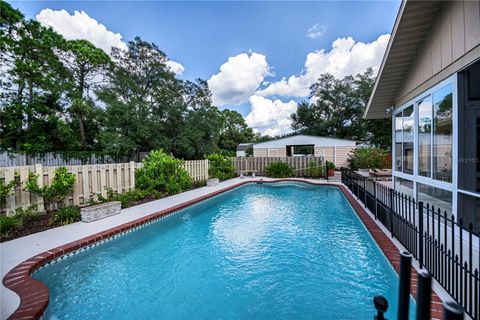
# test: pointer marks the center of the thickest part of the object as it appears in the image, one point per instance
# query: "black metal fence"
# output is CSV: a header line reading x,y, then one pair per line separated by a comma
x,y
442,244
451,309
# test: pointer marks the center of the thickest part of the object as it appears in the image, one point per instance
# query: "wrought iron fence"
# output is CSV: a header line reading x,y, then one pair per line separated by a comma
x,y
442,244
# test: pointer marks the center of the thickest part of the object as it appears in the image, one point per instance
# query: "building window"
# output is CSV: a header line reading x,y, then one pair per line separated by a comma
x,y
436,197
404,186
442,134
424,136
398,141
408,125
404,128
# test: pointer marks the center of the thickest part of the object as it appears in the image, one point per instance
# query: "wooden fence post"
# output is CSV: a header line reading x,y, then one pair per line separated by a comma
x,y
39,173
132,175
10,198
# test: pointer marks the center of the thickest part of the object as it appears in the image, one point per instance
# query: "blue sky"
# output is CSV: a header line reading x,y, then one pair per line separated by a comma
x,y
272,36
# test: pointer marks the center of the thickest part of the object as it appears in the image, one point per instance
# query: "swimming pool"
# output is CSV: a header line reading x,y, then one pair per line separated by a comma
x,y
289,251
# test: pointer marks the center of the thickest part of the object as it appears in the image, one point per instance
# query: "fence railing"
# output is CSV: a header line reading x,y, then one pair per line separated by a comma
x,y
53,159
90,180
299,164
442,244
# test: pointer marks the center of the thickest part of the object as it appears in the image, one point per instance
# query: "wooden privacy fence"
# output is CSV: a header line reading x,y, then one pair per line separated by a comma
x,y
299,164
90,180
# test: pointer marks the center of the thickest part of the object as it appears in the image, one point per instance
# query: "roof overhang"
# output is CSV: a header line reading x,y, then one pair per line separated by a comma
x,y
413,22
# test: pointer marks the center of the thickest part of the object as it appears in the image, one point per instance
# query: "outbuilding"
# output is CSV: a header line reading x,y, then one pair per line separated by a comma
x,y
332,149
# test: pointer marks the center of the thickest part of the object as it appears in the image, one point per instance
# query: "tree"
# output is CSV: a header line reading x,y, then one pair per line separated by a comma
x,y
234,131
35,81
138,98
87,65
337,110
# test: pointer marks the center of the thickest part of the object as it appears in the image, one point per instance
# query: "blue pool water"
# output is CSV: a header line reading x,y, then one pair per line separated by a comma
x,y
285,251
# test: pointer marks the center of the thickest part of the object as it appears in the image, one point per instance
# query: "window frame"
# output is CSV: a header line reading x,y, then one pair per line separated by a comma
x,y
415,177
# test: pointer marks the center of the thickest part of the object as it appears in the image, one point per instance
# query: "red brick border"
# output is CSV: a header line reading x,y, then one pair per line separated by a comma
x,y
34,295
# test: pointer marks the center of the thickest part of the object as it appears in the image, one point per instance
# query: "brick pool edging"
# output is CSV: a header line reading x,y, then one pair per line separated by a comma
x,y
34,295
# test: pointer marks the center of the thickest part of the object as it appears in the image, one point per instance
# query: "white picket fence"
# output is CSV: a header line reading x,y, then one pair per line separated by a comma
x,y
90,181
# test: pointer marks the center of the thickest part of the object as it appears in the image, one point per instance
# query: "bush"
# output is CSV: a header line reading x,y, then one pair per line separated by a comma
x,y
162,173
220,166
129,197
366,158
330,165
67,215
314,170
9,224
279,169
57,191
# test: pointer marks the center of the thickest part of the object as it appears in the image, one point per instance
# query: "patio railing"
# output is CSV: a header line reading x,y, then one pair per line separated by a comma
x,y
442,244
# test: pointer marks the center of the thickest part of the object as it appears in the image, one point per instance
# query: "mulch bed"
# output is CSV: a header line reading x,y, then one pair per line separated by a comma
x,y
32,225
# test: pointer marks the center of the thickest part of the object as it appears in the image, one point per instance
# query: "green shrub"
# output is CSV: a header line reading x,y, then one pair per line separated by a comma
x,y
9,224
57,191
162,173
330,165
220,166
314,170
129,197
366,158
28,213
67,215
279,169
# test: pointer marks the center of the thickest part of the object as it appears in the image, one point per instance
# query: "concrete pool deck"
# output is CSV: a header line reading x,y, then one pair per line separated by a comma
x,y
52,243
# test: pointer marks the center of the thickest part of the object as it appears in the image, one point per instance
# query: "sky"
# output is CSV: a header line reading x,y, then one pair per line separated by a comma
x,y
259,58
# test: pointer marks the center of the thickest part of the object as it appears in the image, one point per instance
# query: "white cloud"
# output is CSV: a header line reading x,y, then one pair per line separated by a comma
x,y
270,117
238,78
175,67
81,26
317,30
345,58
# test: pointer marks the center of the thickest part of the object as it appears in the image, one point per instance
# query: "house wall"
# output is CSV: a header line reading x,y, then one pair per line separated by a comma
x,y
270,152
452,43
338,155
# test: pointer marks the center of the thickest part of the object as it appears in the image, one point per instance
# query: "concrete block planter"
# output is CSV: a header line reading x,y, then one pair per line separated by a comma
x,y
212,182
100,211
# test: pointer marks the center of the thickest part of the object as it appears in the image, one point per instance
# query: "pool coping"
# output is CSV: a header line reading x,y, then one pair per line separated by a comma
x,y
34,295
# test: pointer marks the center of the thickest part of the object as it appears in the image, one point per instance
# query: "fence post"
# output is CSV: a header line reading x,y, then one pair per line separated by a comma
x,y
10,198
424,292
375,197
365,192
404,287
381,305
452,311
39,173
420,233
207,164
391,212
132,175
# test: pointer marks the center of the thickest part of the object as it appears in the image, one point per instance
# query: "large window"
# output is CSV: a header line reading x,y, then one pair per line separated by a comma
x,y
442,134
404,186
436,197
424,136
408,125
404,132
398,141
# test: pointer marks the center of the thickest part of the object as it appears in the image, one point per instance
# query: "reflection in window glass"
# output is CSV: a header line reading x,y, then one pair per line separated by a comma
x,y
424,136
442,134
436,197
408,123
398,141
404,186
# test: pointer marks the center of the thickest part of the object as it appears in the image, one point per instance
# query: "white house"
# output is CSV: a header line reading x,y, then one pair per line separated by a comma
x,y
332,149
429,83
